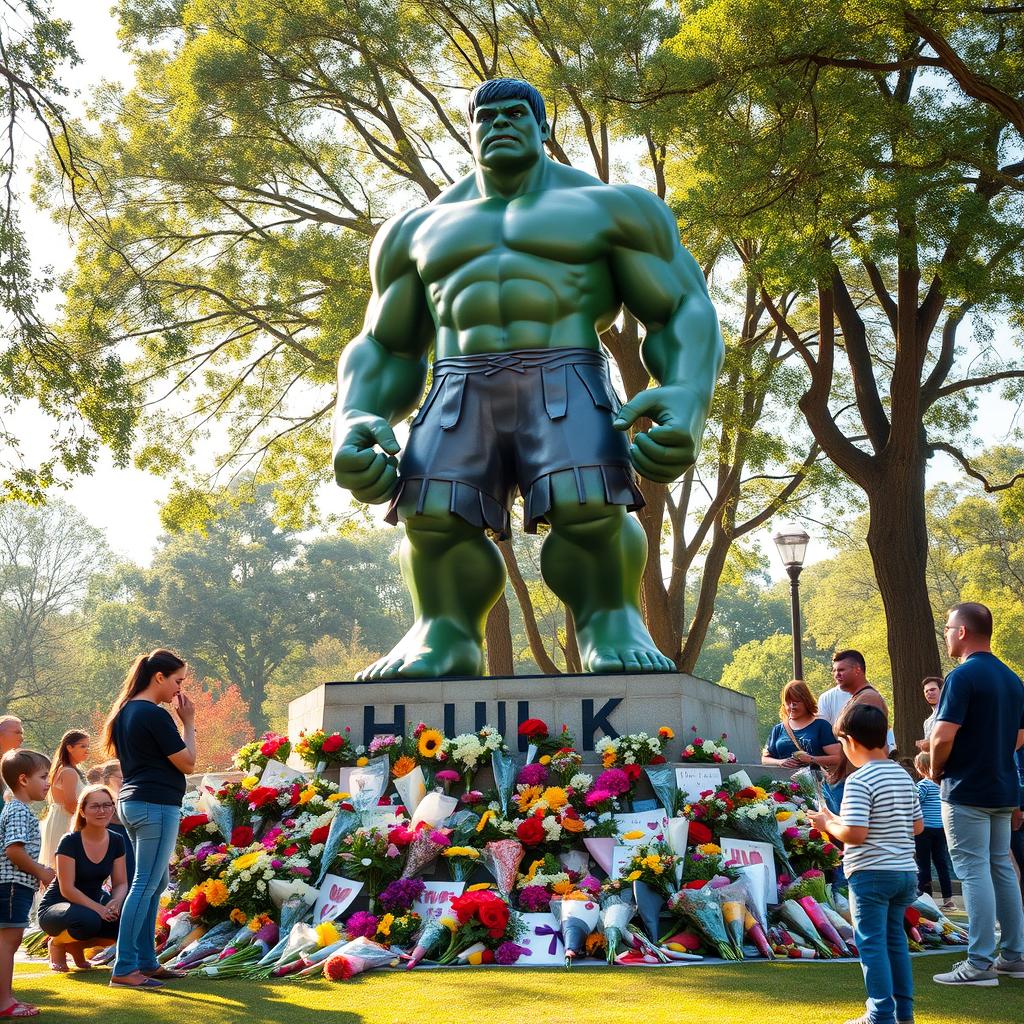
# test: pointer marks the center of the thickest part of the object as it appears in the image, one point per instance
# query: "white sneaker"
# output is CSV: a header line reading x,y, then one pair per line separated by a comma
x,y
965,973
1011,968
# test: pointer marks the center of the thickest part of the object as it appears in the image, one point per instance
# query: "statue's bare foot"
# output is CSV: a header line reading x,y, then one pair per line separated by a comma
x,y
431,649
618,641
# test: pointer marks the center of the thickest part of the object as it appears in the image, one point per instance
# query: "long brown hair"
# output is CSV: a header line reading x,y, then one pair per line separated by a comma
x,y
797,689
139,677
79,823
61,757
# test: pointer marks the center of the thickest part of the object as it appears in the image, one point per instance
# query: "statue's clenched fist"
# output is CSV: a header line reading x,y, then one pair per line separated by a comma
x,y
360,466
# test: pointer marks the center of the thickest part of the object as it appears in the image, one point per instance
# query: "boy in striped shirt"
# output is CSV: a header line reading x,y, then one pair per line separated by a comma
x,y
878,820
931,843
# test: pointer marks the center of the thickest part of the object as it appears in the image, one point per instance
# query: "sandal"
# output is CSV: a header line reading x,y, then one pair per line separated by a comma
x,y
149,983
166,974
58,968
20,1010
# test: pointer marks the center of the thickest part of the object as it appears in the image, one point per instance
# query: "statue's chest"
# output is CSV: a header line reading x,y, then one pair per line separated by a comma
x,y
552,226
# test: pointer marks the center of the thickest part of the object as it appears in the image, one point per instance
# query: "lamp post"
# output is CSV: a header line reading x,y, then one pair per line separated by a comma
x,y
792,543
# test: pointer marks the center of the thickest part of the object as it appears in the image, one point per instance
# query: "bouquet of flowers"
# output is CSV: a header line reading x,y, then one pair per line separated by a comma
x,y
462,860
247,878
757,821
368,855
540,739
433,934
809,849
196,830
577,914
466,752
333,750
354,958
700,908
702,751
253,757
483,919
398,930
566,763
708,815
427,845
617,910
704,862
502,858
638,749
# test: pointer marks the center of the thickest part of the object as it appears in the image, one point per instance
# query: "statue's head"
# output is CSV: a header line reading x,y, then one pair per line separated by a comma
x,y
507,123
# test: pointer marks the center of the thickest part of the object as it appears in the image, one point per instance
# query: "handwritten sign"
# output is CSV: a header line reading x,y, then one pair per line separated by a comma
x,y
739,852
621,856
542,940
694,779
336,894
277,775
436,899
653,825
381,818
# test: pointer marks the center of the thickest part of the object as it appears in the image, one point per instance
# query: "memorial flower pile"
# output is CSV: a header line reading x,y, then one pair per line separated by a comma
x,y
545,843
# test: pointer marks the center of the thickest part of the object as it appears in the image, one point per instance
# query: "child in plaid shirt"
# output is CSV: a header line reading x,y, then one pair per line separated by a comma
x,y
25,772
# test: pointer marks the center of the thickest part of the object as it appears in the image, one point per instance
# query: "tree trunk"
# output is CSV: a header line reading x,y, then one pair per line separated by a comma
x,y
898,542
256,695
714,565
573,661
515,577
500,661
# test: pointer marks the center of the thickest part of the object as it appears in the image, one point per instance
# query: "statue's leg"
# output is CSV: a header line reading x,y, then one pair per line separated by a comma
x,y
455,575
593,560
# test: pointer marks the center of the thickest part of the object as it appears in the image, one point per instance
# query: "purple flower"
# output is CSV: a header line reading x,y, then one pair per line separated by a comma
x,y
277,864
509,953
362,924
534,899
399,896
615,780
474,796
269,934
534,774
438,838
590,883
302,872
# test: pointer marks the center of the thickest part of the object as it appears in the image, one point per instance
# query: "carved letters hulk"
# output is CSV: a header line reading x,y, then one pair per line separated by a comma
x,y
512,274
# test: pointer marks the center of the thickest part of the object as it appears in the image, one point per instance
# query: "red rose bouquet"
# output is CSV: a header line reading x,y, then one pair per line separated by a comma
x,y
333,750
483,918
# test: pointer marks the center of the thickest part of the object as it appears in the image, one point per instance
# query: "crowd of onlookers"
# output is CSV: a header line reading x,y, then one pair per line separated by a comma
x,y
102,854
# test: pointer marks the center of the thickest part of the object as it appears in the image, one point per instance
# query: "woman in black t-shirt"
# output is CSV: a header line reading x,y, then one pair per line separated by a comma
x,y
155,759
75,906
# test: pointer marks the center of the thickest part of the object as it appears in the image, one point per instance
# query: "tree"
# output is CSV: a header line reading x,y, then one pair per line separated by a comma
x,y
80,387
873,150
224,715
48,555
232,257
244,598
761,668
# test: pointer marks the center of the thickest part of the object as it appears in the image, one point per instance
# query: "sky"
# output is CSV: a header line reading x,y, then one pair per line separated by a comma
x,y
125,502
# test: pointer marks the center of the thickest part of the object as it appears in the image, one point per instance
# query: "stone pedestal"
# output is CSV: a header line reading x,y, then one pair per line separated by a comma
x,y
591,705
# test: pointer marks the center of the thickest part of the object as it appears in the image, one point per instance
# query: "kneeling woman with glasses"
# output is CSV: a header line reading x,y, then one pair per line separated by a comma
x,y
75,910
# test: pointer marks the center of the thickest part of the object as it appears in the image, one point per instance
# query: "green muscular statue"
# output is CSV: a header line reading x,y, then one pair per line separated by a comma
x,y
511,275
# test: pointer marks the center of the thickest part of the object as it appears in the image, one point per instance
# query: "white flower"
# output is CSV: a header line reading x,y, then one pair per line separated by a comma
x,y
211,827
581,782
366,862
268,874
316,849
261,886
245,876
552,829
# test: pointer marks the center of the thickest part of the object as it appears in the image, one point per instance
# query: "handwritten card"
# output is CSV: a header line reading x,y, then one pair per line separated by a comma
x,y
694,779
542,940
653,825
381,818
277,775
436,899
336,894
740,852
621,856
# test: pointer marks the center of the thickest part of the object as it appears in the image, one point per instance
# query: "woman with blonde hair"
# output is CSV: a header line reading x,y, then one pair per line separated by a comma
x,y
155,758
66,783
74,910
800,738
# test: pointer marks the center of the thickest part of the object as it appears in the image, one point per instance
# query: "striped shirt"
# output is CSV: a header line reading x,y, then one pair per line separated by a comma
x,y
882,797
931,803
18,825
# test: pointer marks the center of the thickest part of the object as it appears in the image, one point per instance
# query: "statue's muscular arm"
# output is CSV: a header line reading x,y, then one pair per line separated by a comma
x,y
662,286
381,372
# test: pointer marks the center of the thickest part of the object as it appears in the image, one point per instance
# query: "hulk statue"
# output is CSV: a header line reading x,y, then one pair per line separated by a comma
x,y
511,275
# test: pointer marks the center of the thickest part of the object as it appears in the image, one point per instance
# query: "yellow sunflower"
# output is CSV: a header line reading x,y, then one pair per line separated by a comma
x,y
555,797
430,743
245,861
528,797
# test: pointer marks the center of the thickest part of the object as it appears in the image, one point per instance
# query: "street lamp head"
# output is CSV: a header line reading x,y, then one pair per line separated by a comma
x,y
792,543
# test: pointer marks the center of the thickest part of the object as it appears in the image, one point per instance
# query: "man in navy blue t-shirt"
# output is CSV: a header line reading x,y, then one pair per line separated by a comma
x,y
979,727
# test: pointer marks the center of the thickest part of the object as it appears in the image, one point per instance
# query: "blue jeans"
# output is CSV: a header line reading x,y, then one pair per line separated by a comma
x,y
153,830
878,900
979,845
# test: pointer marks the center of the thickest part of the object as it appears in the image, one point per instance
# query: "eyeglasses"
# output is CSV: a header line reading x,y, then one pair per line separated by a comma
x,y
99,807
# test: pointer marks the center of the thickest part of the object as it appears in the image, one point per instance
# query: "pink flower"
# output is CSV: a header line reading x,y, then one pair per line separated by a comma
x,y
304,872
392,851
438,838
597,796
614,780
447,775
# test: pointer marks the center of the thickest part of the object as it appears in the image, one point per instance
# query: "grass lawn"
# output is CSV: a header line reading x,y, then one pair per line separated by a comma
x,y
756,993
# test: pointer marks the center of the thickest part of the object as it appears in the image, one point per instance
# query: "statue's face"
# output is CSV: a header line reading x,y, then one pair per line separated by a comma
x,y
506,136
